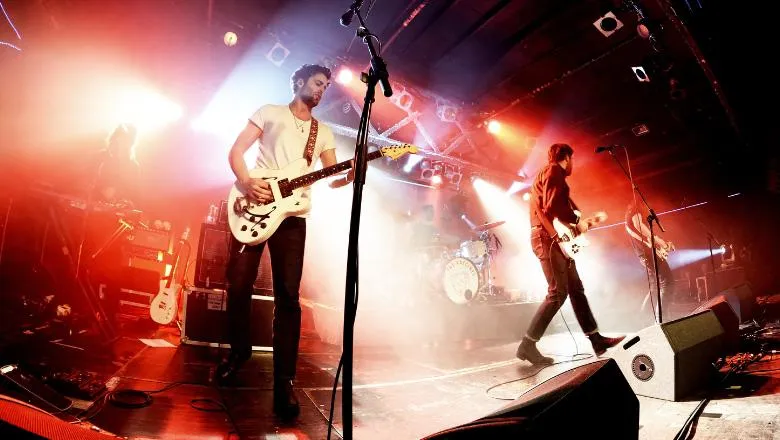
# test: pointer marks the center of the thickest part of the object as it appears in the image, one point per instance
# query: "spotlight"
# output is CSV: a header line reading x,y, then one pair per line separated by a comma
x,y
608,24
230,39
447,113
640,129
277,54
436,180
526,196
402,99
344,76
493,126
640,73
453,174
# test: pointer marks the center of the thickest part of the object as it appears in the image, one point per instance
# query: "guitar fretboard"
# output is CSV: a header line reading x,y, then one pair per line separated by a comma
x,y
309,179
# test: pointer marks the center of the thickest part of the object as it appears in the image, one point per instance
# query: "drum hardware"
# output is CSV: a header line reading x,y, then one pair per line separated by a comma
x,y
486,226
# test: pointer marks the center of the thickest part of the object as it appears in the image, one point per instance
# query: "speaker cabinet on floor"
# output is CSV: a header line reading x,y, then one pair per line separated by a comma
x,y
671,360
212,259
723,308
589,401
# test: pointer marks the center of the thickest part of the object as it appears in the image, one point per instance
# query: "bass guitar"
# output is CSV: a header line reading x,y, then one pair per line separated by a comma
x,y
570,239
253,223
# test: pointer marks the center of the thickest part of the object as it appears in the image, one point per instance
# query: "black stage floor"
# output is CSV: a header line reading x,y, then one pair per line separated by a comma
x,y
400,392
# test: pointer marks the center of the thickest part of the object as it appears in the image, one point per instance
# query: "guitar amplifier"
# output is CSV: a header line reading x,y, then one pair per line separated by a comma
x,y
150,239
211,262
205,320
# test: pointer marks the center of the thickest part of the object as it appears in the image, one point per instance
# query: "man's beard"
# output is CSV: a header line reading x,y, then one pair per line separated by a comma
x,y
309,100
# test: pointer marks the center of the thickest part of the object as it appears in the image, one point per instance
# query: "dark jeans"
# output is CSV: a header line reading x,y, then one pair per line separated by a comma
x,y
562,281
286,246
665,277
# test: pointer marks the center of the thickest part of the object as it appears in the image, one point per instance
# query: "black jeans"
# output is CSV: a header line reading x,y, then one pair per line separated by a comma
x,y
286,246
665,277
562,281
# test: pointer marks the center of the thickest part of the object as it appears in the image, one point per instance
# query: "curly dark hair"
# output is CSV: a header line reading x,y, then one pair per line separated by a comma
x,y
559,152
305,72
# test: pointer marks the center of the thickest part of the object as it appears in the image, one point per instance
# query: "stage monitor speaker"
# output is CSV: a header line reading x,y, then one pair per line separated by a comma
x,y
20,421
723,308
32,390
744,292
671,360
212,258
590,401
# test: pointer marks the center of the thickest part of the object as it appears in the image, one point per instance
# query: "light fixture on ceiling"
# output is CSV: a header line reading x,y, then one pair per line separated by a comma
x,y
641,74
277,54
608,24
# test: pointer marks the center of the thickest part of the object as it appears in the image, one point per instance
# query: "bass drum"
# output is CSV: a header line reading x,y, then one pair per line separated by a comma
x,y
461,280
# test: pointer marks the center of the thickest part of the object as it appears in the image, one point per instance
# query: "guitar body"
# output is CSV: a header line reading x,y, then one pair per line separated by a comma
x,y
661,252
253,223
571,241
166,304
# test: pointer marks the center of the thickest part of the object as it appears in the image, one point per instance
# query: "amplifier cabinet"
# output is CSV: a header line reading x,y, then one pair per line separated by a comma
x,y
205,320
212,258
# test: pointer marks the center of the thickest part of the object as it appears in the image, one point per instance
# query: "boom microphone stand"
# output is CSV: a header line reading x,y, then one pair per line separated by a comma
x,y
377,73
652,218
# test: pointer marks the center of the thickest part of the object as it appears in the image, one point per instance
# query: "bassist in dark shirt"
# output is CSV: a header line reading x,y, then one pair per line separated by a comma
x,y
550,200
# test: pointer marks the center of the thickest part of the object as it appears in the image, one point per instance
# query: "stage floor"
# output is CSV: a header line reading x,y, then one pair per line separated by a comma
x,y
403,392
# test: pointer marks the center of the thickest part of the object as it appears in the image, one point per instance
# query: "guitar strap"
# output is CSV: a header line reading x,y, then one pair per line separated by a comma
x,y
309,152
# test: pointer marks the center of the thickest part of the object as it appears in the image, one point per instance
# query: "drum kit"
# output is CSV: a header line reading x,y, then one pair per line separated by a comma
x,y
463,271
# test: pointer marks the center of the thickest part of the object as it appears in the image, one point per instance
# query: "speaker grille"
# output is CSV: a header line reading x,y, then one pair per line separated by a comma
x,y
212,259
643,367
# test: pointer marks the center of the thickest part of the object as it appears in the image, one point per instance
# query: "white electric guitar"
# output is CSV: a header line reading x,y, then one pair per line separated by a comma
x,y
252,223
165,305
572,241
661,251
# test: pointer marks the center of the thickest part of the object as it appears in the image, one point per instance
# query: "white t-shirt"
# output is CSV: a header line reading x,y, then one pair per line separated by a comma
x,y
284,139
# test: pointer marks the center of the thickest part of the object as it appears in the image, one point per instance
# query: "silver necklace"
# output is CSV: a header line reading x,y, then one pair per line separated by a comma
x,y
295,118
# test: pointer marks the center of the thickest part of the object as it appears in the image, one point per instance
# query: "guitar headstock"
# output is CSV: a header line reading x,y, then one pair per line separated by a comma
x,y
396,151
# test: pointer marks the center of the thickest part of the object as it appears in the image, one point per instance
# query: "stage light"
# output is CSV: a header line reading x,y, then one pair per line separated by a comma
x,y
402,98
608,24
436,180
640,73
345,76
640,129
494,126
277,54
447,113
230,39
526,196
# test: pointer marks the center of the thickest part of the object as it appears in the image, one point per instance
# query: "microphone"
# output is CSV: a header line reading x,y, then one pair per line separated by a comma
x,y
601,148
346,18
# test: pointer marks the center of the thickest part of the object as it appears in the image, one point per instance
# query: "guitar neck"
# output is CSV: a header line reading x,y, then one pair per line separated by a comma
x,y
309,179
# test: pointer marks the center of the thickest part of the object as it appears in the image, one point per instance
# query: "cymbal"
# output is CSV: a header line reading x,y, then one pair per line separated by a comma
x,y
491,225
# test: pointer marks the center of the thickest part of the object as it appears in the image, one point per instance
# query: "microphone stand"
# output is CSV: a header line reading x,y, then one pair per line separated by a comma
x,y
652,218
377,73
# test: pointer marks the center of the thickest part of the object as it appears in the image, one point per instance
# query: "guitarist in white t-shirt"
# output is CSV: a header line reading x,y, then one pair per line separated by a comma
x,y
284,134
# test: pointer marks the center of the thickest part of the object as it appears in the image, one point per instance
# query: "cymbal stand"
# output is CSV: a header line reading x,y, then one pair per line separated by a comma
x,y
93,302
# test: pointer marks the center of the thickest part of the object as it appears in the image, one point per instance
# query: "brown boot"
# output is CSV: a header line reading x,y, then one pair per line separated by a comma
x,y
527,351
602,343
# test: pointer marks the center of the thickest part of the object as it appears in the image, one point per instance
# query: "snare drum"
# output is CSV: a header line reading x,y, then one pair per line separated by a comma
x,y
461,280
473,249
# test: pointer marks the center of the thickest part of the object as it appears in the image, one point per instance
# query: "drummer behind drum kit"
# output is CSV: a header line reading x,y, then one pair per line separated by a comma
x,y
466,276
